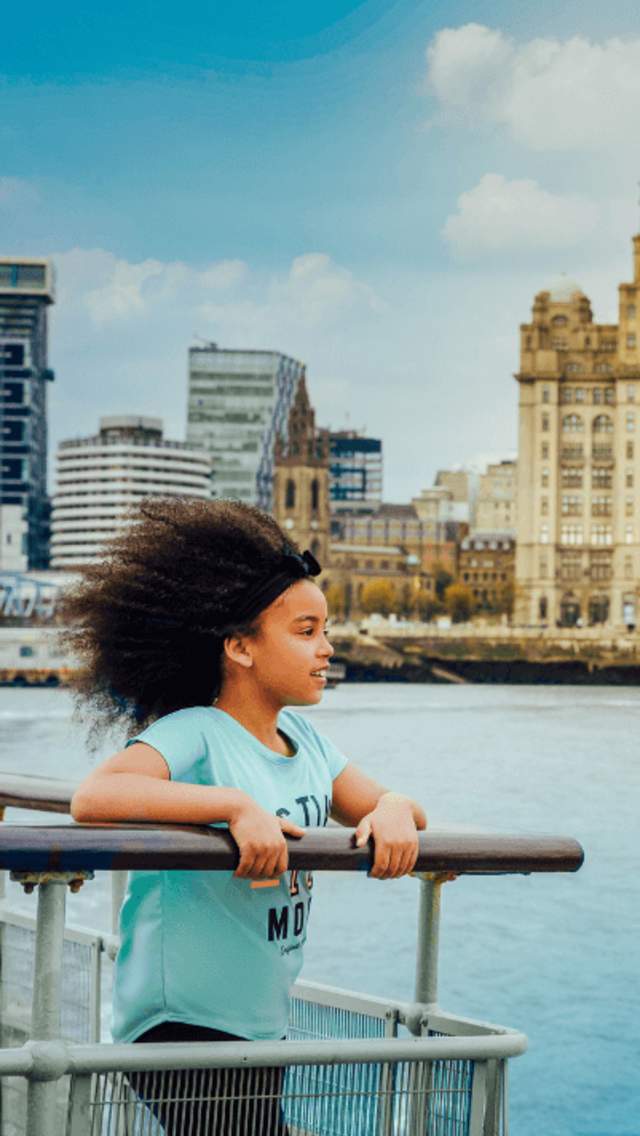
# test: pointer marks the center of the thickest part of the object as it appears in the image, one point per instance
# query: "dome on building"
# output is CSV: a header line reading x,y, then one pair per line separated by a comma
x,y
562,289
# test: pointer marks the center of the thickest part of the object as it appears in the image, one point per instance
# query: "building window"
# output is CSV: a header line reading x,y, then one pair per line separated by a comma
x,y
571,506
630,421
544,506
26,652
544,569
629,450
559,344
631,394
545,394
603,368
628,507
571,567
559,321
566,394
290,494
631,340
544,452
542,607
572,424
628,534
315,495
601,534
544,479
544,534
571,477
597,395
631,311
610,395
628,479
628,568
601,477
579,394
601,507
600,568
603,424
545,422
571,534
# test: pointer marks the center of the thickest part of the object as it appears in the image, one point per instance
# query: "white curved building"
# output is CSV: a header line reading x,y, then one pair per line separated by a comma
x,y
100,479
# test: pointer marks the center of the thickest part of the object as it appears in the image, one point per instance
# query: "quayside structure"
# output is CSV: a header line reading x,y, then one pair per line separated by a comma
x,y
351,1065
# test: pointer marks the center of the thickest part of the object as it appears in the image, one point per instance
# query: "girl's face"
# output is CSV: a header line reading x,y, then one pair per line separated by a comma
x,y
290,650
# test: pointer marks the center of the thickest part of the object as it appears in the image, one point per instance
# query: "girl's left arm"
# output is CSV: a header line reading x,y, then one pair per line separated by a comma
x,y
392,819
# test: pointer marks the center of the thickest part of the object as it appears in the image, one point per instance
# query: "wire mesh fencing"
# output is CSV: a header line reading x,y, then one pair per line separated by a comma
x,y
404,1098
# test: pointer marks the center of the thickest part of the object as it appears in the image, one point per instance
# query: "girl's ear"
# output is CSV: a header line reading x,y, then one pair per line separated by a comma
x,y
236,648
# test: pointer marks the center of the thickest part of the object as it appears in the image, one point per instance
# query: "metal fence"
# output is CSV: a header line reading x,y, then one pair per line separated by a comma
x,y
352,1065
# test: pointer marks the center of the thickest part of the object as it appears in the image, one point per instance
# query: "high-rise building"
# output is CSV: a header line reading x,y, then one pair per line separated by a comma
x,y
26,291
102,478
495,510
239,403
578,536
355,473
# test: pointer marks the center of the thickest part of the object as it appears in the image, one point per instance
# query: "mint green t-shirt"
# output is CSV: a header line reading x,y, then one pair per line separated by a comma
x,y
205,947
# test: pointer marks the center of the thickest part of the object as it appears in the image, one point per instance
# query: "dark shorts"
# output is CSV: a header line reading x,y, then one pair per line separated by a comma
x,y
210,1102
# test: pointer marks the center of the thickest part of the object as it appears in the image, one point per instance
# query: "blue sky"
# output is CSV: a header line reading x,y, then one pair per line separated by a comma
x,y
378,189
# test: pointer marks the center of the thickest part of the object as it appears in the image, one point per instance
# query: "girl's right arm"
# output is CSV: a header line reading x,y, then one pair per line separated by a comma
x,y
135,785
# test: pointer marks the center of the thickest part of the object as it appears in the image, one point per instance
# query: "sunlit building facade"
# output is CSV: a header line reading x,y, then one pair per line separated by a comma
x,y
101,479
578,521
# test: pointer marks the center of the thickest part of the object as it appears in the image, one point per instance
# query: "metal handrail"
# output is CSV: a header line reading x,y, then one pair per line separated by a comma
x,y
50,856
41,794
46,1060
111,847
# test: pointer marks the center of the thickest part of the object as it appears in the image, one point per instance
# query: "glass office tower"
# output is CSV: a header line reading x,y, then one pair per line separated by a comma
x,y
239,402
26,291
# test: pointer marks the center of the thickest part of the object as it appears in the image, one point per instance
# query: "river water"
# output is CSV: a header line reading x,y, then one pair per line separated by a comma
x,y
555,956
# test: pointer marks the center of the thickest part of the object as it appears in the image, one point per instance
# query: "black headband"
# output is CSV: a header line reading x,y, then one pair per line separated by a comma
x,y
293,566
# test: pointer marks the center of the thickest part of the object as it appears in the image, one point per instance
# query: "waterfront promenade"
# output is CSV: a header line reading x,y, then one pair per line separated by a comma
x,y
483,651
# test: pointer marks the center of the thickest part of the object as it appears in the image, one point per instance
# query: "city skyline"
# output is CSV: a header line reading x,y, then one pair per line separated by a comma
x,y
376,190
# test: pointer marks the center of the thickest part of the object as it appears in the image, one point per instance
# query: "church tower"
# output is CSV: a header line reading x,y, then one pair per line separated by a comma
x,y
301,478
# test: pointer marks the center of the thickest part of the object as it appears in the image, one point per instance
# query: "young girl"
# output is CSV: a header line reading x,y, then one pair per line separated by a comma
x,y
196,631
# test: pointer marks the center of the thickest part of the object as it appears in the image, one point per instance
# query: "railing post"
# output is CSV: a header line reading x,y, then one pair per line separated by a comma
x,y
47,1001
118,889
426,987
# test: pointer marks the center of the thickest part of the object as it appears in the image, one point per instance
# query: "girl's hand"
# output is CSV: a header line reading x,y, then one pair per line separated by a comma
x,y
260,839
395,836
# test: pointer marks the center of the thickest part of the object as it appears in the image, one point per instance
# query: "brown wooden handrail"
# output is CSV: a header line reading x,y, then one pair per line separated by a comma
x,y
73,847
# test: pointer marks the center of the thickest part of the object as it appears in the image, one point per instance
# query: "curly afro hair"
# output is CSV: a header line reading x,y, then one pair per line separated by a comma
x,y
148,622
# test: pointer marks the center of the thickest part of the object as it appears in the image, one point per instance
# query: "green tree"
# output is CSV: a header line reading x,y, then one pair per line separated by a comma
x,y
441,579
459,602
506,597
336,597
427,606
407,601
379,596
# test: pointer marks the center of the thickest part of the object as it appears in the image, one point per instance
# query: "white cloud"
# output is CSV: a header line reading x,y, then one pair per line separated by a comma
x,y
314,293
501,215
121,329
549,94
16,191
112,290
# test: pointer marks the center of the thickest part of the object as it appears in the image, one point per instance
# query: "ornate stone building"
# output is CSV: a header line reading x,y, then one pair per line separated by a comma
x,y
578,535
